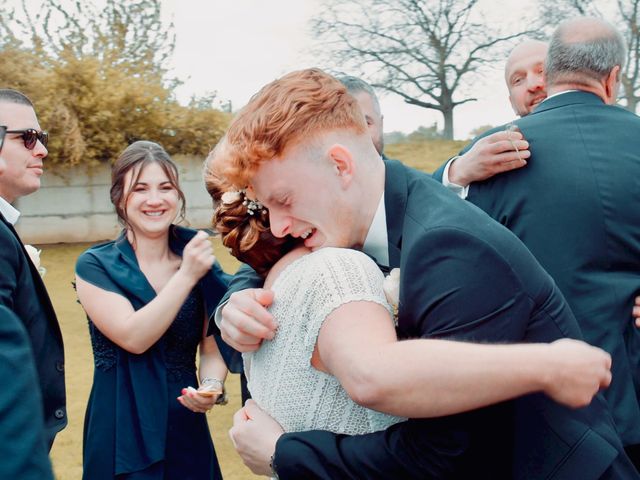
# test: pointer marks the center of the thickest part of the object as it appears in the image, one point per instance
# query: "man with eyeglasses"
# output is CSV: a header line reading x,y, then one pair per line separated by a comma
x,y
22,291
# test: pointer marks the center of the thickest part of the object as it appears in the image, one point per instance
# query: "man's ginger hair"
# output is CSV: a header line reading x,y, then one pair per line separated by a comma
x,y
296,107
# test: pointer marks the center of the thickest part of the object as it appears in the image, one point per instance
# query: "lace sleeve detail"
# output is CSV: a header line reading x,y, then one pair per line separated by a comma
x,y
281,378
338,276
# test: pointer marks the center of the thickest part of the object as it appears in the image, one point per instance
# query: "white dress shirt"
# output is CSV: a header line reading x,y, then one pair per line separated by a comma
x,y
8,211
377,242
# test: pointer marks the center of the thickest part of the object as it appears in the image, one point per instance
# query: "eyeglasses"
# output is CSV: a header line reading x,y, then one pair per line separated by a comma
x,y
30,137
3,130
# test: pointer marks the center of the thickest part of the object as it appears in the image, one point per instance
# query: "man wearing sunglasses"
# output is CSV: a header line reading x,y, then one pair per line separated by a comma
x,y
22,291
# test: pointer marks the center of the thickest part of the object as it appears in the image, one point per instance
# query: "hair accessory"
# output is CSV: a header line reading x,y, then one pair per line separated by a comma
x,y
253,206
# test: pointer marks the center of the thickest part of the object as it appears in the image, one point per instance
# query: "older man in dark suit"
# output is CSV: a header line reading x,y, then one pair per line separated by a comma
x,y
302,145
21,288
575,204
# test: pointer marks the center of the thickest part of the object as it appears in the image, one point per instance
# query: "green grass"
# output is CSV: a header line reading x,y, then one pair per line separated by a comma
x,y
59,260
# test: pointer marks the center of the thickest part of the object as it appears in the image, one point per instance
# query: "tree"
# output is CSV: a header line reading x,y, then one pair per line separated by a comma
x,y
425,51
98,77
626,15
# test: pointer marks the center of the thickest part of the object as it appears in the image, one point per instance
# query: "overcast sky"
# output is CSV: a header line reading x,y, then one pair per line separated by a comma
x,y
234,47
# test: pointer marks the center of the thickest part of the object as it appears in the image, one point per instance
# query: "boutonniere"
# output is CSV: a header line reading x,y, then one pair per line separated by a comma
x,y
391,288
34,256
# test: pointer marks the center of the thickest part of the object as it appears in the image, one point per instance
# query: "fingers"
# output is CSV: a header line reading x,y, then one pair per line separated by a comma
x,y
247,313
251,409
195,402
513,146
240,416
265,297
239,341
606,380
198,257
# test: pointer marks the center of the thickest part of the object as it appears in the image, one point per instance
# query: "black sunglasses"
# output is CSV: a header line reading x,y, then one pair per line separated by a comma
x,y
30,137
3,130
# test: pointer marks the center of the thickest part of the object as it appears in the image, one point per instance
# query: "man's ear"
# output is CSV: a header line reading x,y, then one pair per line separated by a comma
x,y
342,163
612,85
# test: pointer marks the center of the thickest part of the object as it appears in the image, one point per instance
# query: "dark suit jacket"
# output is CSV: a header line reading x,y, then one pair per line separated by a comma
x,y
22,441
465,277
575,206
23,292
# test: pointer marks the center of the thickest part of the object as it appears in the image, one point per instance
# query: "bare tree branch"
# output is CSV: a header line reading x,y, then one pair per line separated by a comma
x,y
424,51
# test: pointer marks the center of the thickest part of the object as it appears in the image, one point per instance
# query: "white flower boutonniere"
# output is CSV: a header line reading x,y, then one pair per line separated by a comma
x,y
391,287
34,256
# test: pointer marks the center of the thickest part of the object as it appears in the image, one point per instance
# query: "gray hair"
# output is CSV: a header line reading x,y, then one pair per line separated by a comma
x,y
582,50
355,85
8,95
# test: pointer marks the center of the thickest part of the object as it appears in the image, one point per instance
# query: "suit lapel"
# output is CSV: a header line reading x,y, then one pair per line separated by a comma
x,y
395,204
10,227
41,290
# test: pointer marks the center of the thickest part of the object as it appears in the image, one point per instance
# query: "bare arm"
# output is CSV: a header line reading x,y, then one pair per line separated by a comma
x,y
357,345
136,331
212,366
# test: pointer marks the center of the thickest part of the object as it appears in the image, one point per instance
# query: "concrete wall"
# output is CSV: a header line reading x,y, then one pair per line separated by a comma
x,y
76,207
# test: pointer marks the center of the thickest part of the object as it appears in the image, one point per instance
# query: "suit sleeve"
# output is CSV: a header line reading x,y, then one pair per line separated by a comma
x,y
10,254
402,451
457,287
437,175
22,444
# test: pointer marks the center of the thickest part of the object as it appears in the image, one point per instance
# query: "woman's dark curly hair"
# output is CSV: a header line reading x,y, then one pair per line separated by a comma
x,y
247,236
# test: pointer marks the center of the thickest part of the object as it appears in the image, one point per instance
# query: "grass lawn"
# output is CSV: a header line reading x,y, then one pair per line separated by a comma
x,y
59,261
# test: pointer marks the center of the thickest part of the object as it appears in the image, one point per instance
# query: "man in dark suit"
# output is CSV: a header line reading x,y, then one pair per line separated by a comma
x,y
575,204
21,288
370,106
22,439
302,146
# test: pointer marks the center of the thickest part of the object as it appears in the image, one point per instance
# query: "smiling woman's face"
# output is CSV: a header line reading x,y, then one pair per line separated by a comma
x,y
152,201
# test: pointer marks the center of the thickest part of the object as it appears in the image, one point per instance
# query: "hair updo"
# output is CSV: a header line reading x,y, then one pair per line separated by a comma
x,y
248,236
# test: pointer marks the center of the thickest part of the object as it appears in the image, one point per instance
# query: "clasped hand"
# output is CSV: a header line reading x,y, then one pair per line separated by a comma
x,y
496,153
254,435
246,321
197,257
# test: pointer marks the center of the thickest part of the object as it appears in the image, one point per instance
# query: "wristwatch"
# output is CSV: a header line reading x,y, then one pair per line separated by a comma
x,y
272,466
218,385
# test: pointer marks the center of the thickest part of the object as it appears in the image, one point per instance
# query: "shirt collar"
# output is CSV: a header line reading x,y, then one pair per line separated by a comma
x,y
8,211
377,242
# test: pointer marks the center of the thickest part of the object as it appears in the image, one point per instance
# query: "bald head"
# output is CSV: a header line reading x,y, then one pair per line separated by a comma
x,y
585,29
584,52
524,74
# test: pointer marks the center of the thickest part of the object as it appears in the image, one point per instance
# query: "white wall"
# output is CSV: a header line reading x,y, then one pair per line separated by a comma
x,y
76,207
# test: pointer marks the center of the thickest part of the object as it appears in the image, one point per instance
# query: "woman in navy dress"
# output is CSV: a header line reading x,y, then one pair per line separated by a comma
x,y
148,295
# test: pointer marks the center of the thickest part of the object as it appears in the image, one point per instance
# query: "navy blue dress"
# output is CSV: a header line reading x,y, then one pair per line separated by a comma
x,y
134,426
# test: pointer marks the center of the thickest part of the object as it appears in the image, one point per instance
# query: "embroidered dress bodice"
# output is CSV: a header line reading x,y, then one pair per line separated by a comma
x,y
180,340
281,378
